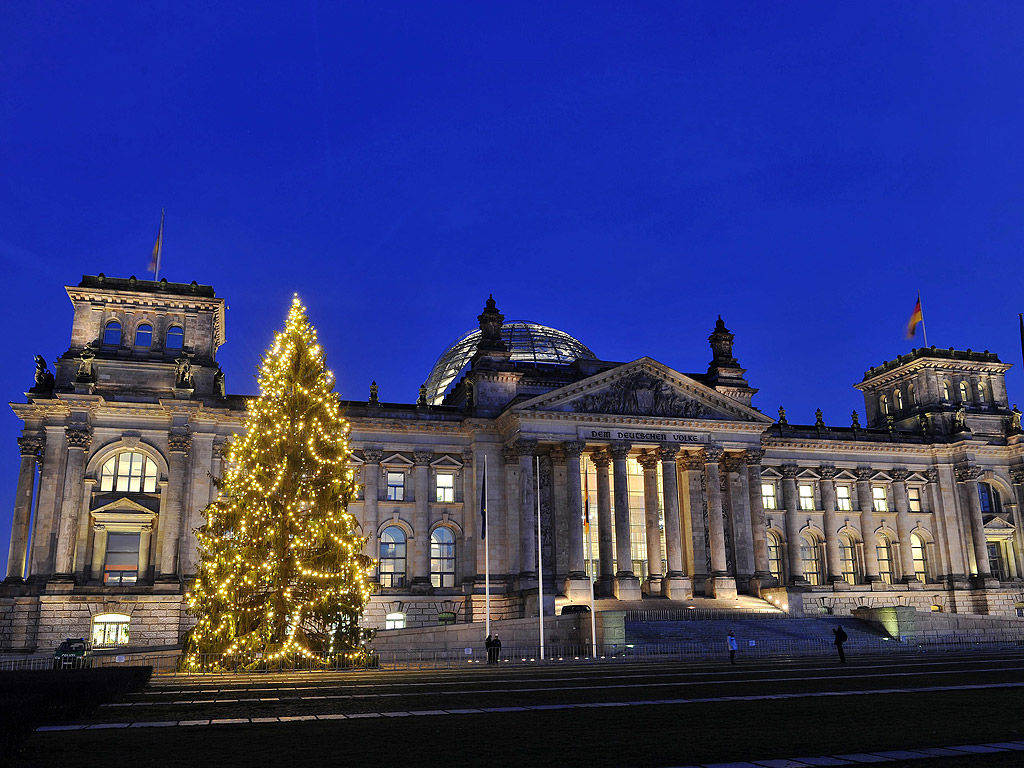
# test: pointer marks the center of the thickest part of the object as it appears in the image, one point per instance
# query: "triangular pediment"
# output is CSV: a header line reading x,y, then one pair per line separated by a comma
x,y
998,523
644,388
122,506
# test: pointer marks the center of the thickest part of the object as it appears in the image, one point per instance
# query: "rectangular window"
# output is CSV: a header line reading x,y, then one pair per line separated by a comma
x,y
806,496
122,563
878,498
843,498
396,486
768,496
445,488
914,499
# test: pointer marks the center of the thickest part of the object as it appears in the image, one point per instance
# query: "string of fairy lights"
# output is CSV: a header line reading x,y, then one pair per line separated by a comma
x,y
281,568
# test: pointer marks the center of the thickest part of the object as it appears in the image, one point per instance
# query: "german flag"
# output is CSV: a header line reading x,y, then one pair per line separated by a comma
x,y
916,318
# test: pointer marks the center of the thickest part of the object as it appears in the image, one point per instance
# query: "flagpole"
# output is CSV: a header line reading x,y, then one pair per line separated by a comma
x,y
159,249
924,328
487,556
540,573
1020,316
590,556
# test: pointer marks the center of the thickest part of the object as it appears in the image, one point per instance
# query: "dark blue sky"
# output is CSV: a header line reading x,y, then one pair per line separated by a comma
x,y
623,172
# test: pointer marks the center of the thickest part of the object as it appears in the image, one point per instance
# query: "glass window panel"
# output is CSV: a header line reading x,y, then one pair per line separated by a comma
x,y
848,560
144,335
914,499
843,498
768,498
175,337
445,487
879,499
442,558
806,496
112,334
809,556
107,474
884,551
774,557
391,564
920,555
396,486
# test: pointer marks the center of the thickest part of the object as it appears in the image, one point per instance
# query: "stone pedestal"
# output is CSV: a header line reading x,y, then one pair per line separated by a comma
x,y
628,588
720,587
167,584
60,583
677,587
577,589
653,586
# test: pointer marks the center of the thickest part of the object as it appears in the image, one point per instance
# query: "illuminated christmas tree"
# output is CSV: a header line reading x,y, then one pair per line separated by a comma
x,y
281,569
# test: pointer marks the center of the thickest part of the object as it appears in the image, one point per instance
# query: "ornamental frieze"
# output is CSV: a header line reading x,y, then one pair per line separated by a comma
x,y
641,394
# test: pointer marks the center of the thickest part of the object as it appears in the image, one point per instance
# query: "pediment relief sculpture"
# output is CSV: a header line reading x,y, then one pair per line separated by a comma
x,y
641,394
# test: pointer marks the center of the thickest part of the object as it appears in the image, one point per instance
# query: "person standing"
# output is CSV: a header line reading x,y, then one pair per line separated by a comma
x,y
488,642
731,641
841,637
496,649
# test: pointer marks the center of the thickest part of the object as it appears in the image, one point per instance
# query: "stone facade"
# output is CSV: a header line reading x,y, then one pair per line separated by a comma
x,y
656,483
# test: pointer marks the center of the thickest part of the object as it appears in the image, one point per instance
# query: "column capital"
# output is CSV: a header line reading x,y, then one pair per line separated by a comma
x,y
899,474
79,437
864,473
32,445
1017,473
754,456
179,442
525,446
573,448
220,448
373,455
789,471
693,461
712,453
99,527
510,454
649,461
557,453
668,453
600,458
619,449
467,459
826,472
931,475
966,473
422,456
734,462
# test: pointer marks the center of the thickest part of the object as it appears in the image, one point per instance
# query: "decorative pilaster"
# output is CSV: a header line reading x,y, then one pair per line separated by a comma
x,y
99,551
31,448
697,520
79,439
833,561
758,524
652,523
677,584
420,541
371,500
720,584
179,443
507,561
527,449
577,585
969,475
903,526
790,502
145,540
605,543
735,465
867,524
627,585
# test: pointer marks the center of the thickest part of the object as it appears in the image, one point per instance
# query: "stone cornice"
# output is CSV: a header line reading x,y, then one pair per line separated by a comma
x,y
651,422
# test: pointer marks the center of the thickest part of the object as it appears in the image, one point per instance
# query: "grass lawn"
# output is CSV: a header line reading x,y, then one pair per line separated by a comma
x,y
622,737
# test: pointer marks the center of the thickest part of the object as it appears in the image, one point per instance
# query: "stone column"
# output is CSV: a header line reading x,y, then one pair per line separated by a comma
x,y
470,522
719,584
179,444
677,584
739,513
652,523
82,534
627,585
903,526
145,539
420,541
371,499
505,527
577,585
867,524
99,551
605,547
758,524
969,476
1017,473
79,439
790,502
699,539
527,514
31,448
833,561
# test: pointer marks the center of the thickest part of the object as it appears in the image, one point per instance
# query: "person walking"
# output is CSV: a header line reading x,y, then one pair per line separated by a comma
x,y
489,645
731,641
841,637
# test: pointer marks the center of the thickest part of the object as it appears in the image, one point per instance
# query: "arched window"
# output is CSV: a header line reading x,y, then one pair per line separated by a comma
x,y
945,390
774,556
809,557
128,472
442,558
911,394
899,400
110,629
392,557
112,333
394,620
991,502
884,550
965,395
920,555
981,392
848,559
144,335
883,404
175,337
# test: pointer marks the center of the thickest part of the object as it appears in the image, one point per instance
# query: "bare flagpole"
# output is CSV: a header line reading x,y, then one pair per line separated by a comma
x,y
924,328
487,553
540,572
590,556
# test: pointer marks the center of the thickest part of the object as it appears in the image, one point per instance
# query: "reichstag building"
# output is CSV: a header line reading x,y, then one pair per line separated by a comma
x,y
682,487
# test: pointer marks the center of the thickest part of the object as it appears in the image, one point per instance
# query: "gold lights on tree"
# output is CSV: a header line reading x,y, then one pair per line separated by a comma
x,y
281,570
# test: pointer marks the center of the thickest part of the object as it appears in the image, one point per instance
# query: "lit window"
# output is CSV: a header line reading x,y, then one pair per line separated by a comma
x,y
995,560
848,559
112,333
981,392
768,496
899,400
878,498
912,394
965,396
806,496
175,337
122,563
920,557
914,499
445,487
883,404
442,558
110,629
396,486
144,335
394,621
128,472
843,498
774,556
391,566
809,557
884,550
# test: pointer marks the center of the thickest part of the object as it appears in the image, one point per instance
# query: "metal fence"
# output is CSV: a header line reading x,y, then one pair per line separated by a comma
x,y
701,614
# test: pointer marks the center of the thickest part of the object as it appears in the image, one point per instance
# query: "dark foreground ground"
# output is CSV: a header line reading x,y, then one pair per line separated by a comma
x,y
600,715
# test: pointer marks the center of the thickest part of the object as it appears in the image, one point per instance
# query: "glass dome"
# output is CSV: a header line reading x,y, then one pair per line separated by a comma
x,y
528,343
